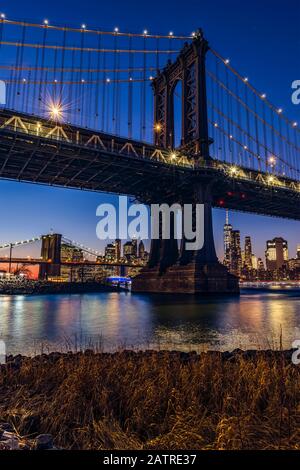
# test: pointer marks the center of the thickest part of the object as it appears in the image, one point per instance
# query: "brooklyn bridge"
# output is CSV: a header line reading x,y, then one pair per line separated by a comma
x,y
162,118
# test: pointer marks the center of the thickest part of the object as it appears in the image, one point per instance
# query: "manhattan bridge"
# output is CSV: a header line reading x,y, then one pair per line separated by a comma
x,y
162,118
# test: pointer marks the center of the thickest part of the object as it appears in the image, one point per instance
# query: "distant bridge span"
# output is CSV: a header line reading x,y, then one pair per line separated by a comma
x,y
37,261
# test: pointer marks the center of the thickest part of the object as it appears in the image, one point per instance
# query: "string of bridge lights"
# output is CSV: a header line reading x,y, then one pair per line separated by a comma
x,y
271,161
273,157
262,96
19,243
145,33
255,114
36,239
83,28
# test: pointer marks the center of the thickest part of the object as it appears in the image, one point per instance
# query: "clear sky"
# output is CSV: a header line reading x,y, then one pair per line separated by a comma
x,y
262,39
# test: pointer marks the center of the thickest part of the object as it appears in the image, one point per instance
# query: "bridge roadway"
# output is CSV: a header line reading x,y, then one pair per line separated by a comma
x,y
40,151
38,261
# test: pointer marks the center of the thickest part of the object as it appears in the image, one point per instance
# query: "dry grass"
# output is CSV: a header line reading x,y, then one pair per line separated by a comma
x,y
155,400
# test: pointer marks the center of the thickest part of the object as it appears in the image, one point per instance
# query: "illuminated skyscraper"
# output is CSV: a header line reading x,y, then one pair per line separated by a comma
x,y
227,241
141,250
110,252
248,253
235,253
254,262
134,247
277,253
130,250
118,248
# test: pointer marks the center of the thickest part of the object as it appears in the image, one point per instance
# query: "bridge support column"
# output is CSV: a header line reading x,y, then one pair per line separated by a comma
x,y
193,272
51,255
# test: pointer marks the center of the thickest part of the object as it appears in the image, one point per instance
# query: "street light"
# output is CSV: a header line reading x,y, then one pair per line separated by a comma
x,y
272,160
233,170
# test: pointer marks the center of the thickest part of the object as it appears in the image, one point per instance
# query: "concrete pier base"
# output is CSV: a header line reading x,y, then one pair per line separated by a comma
x,y
188,279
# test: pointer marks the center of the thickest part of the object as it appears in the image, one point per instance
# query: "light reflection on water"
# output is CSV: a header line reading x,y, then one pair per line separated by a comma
x,y
114,320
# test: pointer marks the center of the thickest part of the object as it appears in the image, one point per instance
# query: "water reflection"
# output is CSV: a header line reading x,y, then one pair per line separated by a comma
x,y
255,319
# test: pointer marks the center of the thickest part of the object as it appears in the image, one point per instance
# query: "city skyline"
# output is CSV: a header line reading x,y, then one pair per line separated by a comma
x,y
278,263
72,212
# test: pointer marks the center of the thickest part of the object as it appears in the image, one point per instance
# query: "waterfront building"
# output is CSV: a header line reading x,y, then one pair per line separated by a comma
x,y
276,254
141,250
71,253
235,253
130,250
118,248
227,241
254,262
110,252
248,253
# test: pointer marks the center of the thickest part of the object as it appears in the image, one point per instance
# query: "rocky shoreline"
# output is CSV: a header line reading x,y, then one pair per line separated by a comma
x,y
150,400
10,440
45,288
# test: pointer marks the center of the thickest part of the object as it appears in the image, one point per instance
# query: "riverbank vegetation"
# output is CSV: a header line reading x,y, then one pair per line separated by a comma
x,y
155,400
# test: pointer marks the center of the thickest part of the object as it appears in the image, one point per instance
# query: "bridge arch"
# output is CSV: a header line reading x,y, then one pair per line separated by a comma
x,y
176,103
189,69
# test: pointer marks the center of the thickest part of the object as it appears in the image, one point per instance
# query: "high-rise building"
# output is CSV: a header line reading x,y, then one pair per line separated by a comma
x,y
236,254
141,250
227,242
130,250
276,253
298,251
118,247
260,265
134,247
71,253
254,262
248,253
113,251
110,252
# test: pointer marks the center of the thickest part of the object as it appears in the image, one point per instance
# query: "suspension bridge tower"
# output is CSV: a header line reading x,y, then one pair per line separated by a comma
x,y
173,270
51,256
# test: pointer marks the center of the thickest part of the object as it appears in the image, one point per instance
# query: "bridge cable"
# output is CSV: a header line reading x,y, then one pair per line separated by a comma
x,y
130,91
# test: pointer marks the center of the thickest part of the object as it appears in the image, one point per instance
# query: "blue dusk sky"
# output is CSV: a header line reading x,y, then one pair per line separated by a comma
x,y
262,40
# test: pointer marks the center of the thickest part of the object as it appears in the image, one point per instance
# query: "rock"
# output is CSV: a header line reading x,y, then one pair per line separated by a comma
x,y
4,446
13,443
24,446
44,442
8,435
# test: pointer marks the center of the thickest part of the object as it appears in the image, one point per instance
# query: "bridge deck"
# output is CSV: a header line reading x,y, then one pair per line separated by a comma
x,y
39,151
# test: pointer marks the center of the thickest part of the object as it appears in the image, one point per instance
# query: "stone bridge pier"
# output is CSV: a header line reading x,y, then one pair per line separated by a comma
x,y
184,271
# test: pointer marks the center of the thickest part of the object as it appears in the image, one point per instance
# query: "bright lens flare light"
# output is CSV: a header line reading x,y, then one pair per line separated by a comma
x,y
55,110
272,160
233,170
